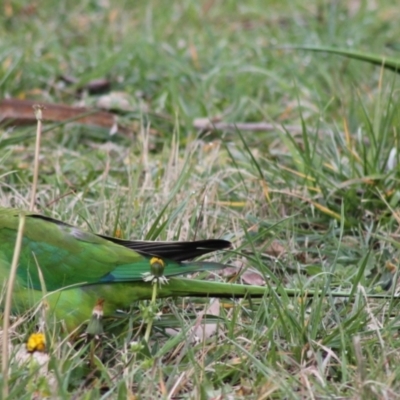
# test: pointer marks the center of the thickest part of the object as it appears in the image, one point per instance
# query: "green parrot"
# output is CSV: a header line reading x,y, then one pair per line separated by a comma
x,y
82,269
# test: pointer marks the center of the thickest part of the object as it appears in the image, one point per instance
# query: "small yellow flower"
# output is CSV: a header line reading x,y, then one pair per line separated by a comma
x,y
36,342
157,266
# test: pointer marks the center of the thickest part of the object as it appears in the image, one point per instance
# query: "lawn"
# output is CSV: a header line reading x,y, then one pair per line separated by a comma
x,y
310,203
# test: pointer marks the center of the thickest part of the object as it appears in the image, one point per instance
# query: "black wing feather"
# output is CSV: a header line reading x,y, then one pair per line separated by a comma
x,y
177,251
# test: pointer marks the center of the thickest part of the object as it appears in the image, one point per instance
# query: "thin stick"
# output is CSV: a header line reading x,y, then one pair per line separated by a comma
x,y
152,305
7,306
38,114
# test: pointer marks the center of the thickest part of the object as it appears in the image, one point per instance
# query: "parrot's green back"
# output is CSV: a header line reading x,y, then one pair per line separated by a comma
x,y
80,268
70,256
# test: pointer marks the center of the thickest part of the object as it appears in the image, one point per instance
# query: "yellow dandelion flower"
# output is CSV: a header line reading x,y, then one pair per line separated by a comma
x,y
36,342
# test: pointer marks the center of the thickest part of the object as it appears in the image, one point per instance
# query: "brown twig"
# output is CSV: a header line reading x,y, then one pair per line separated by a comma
x,y
18,112
212,125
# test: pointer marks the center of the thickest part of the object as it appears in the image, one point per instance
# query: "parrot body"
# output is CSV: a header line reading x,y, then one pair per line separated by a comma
x,y
71,269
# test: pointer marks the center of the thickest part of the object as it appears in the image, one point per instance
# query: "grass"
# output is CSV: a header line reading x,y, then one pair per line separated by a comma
x,y
309,211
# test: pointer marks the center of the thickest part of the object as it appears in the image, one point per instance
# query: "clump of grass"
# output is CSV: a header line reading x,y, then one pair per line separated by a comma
x,y
309,211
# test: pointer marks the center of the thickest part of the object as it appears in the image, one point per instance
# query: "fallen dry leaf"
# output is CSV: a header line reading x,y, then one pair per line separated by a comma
x,y
249,276
200,331
204,331
95,86
275,249
115,101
